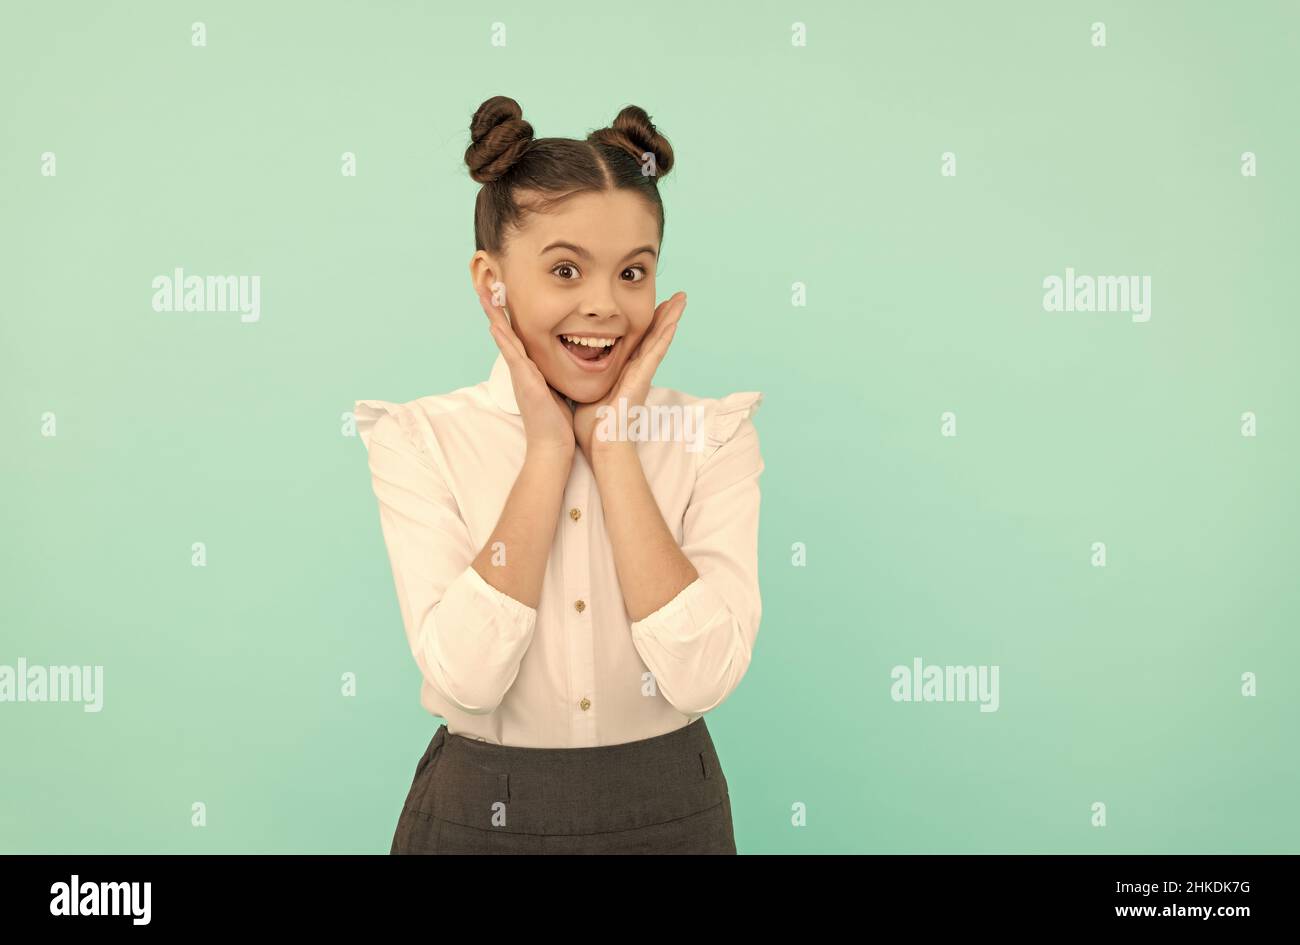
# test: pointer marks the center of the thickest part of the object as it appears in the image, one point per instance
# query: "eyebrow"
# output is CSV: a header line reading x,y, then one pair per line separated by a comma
x,y
573,247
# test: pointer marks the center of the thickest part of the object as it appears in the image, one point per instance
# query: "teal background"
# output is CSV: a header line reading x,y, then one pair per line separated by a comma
x,y
816,165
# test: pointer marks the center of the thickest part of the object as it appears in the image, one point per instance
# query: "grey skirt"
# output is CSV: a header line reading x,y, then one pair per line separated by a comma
x,y
665,794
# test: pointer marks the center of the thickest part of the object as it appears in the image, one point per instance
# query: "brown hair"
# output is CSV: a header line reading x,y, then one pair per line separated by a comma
x,y
505,158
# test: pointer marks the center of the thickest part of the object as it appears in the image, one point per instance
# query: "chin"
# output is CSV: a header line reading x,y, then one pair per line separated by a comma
x,y
584,395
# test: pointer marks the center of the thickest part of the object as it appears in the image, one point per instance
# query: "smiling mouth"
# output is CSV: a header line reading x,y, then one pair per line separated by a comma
x,y
591,356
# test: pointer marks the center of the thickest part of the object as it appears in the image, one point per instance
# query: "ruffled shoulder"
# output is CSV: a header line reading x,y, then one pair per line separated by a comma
x,y
370,412
725,416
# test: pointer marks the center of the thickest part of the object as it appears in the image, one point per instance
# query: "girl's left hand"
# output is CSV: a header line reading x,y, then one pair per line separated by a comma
x,y
633,382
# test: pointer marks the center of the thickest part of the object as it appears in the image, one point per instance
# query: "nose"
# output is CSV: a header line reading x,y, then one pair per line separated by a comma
x,y
599,305
602,312
605,320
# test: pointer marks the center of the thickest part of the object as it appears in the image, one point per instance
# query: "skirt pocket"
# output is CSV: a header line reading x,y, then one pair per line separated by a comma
x,y
416,833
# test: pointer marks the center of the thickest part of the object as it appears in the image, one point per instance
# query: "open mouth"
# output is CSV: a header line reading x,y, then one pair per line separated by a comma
x,y
588,352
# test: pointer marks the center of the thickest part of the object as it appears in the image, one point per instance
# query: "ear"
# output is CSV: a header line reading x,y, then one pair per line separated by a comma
x,y
485,274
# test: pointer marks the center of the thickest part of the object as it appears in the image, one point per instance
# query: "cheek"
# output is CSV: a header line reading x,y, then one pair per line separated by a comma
x,y
642,330
541,348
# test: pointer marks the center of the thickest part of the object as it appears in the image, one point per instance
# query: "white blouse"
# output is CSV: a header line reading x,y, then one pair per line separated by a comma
x,y
575,671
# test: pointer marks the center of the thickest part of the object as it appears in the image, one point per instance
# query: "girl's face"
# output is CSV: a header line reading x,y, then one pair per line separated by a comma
x,y
585,269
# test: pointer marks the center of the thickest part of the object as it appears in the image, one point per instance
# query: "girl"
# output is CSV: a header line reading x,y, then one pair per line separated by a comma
x,y
574,550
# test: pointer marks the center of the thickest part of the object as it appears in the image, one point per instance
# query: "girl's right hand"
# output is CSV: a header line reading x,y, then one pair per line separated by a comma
x,y
548,421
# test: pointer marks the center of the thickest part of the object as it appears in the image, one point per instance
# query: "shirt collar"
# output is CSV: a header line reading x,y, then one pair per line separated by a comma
x,y
501,388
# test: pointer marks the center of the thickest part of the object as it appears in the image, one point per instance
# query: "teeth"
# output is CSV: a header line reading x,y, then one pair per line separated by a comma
x,y
590,342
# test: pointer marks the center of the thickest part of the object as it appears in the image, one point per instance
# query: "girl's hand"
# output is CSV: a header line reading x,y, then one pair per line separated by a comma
x,y
548,421
633,382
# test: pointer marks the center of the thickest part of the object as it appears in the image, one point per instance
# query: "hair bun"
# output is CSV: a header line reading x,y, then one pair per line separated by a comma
x,y
499,136
634,132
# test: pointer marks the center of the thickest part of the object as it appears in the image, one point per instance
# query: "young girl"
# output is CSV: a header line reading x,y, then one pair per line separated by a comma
x,y
578,586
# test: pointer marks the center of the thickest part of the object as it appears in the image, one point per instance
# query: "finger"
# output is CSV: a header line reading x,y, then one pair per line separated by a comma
x,y
514,340
655,348
644,339
655,321
669,312
497,316
654,357
516,358
674,302
658,318
490,309
674,316
494,314
503,343
667,316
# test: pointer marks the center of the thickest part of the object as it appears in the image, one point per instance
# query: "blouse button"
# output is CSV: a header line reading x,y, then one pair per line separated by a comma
x,y
585,703
580,606
575,514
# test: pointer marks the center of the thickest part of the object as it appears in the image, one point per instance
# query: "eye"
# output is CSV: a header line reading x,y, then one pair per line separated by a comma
x,y
568,265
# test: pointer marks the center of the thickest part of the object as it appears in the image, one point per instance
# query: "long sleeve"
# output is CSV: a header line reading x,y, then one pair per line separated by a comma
x,y
468,638
699,644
